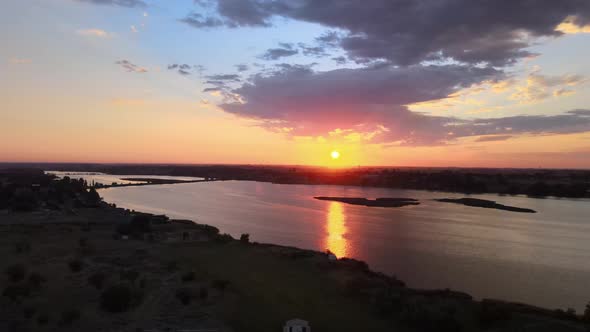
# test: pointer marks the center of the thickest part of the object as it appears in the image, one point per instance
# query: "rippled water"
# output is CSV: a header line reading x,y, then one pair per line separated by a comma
x,y
541,258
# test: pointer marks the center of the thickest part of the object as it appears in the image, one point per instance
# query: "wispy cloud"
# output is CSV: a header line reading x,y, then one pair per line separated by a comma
x,y
93,33
19,61
130,67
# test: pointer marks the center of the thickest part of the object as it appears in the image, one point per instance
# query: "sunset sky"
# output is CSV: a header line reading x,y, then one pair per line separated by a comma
x,y
384,82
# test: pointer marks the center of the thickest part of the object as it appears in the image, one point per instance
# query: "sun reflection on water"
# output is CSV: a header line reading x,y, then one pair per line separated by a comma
x,y
336,229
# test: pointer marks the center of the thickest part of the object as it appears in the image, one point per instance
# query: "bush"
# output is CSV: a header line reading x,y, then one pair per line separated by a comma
x,y
119,298
139,225
28,312
97,280
76,265
220,284
130,275
171,266
203,293
188,277
224,238
69,316
36,280
185,295
16,272
14,292
42,319
22,247
586,316
245,238
83,242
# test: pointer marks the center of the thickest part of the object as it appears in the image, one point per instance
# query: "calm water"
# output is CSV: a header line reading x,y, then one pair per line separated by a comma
x,y
541,258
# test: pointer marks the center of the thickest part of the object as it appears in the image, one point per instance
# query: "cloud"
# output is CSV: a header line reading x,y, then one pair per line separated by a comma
x,y
314,51
409,32
224,78
285,50
241,67
341,60
571,26
92,33
130,67
538,87
372,103
183,69
19,61
494,138
122,3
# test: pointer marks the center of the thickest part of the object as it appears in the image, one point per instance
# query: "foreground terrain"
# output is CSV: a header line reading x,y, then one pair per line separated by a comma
x,y
72,263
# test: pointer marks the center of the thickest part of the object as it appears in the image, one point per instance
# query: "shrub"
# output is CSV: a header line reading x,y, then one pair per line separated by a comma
x,y
14,292
16,272
76,265
119,298
69,316
220,284
36,280
203,293
224,238
83,242
142,283
586,316
97,280
22,247
185,295
188,277
139,225
171,266
130,275
43,319
245,238
28,312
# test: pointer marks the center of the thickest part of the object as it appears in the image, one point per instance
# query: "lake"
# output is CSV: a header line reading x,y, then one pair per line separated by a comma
x,y
541,258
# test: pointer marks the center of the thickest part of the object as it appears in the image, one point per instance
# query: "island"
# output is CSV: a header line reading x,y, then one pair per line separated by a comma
x,y
379,202
484,203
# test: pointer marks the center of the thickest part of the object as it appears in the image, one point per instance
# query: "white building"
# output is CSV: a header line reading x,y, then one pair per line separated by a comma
x,y
296,325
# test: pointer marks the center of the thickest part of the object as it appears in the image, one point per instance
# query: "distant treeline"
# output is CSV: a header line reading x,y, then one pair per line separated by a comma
x,y
531,182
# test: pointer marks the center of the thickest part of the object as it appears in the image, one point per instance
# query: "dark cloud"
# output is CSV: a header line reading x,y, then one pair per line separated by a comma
x,y
241,67
182,68
406,32
224,78
130,67
315,51
341,60
373,102
198,21
211,89
122,3
284,50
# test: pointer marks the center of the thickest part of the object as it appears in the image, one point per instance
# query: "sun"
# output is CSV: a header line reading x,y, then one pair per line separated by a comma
x,y
335,154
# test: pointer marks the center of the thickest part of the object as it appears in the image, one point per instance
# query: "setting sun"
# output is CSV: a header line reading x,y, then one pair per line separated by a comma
x,y
335,154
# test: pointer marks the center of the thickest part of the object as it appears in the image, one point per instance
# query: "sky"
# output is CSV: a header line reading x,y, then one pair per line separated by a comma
x,y
433,83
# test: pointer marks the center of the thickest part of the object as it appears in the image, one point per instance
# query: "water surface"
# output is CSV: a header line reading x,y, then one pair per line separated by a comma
x,y
541,258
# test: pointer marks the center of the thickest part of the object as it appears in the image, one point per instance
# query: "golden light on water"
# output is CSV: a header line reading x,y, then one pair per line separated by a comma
x,y
336,229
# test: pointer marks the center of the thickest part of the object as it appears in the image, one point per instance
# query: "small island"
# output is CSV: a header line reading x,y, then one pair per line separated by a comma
x,y
483,203
379,202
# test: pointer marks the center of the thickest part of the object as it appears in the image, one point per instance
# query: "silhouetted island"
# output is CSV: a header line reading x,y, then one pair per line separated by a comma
x,y
483,203
379,202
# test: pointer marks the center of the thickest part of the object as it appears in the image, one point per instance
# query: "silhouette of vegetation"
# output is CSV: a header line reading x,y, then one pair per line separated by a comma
x,y
245,238
185,295
16,272
119,298
69,316
16,292
188,276
97,279
76,265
